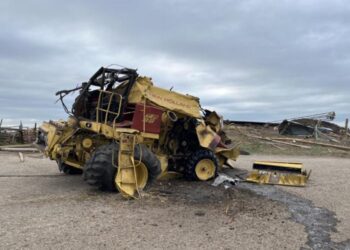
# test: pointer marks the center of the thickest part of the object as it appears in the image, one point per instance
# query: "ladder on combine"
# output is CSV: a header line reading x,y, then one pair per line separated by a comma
x,y
107,110
126,178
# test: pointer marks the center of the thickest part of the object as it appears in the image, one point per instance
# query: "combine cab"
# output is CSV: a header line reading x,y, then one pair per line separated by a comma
x,y
123,133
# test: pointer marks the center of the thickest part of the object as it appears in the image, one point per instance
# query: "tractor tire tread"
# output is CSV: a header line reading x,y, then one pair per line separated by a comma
x,y
192,160
100,172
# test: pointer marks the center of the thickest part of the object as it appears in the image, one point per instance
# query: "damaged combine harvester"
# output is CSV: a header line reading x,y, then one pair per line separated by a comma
x,y
123,133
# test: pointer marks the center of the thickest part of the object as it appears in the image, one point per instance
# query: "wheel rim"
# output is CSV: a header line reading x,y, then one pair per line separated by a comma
x,y
141,174
205,169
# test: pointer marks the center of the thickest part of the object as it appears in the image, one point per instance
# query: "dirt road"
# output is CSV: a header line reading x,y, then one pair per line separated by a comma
x,y
40,208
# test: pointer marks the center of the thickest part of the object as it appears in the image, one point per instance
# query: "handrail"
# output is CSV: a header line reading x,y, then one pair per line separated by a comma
x,y
108,111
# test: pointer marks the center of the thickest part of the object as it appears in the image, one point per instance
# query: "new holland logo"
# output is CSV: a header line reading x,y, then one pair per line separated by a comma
x,y
151,118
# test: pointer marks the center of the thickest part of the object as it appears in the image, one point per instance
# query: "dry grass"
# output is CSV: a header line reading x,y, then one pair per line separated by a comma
x,y
256,146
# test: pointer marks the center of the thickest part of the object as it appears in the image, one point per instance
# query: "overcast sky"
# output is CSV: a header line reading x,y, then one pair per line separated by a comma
x,y
249,60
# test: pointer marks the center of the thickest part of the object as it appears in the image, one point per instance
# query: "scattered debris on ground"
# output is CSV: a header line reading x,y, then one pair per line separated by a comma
x,y
19,148
23,150
17,134
310,135
312,125
226,180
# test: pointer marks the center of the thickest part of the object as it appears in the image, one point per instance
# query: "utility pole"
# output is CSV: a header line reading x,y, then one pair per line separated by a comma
x,y
21,138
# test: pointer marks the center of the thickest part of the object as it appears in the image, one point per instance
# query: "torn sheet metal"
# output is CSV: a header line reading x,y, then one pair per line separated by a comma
x,y
294,128
278,173
228,181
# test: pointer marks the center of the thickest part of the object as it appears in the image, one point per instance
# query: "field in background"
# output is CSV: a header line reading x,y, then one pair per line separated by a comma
x,y
251,141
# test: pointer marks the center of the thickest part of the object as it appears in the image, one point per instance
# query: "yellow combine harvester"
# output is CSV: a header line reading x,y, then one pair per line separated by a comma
x,y
123,133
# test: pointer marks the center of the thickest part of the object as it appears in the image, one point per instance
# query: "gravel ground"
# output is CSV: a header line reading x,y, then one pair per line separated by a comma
x,y
42,209
328,187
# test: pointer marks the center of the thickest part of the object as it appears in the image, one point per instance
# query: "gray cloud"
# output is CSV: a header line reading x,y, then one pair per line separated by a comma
x,y
251,60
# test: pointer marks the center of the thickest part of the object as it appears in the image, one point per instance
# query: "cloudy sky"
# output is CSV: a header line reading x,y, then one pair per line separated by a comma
x,y
249,60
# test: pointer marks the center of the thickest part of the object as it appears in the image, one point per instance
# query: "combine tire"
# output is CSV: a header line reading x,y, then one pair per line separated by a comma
x,y
150,161
201,165
100,172
63,167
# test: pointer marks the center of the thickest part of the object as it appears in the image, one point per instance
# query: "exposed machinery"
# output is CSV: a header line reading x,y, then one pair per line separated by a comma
x,y
123,133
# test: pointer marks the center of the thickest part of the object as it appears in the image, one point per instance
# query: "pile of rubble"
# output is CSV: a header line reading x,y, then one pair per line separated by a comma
x,y
301,132
18,139
17,134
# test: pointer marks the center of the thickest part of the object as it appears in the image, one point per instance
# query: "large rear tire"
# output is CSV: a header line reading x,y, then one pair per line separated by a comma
x,y
100,172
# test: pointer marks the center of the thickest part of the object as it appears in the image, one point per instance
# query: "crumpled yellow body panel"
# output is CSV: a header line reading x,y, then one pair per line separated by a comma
x,y
206,136
277,178
229,153
57,133
170,100
279,173
209,139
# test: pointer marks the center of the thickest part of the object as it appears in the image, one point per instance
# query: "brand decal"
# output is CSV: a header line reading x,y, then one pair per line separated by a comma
x,y
151,118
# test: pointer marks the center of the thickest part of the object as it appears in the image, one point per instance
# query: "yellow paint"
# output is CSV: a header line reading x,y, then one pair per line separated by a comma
x,y
163,159
73,163
214,121
284,175
205,169
277,178
87,143
228,153
131,176
57,133
287,165
141,174
150,135
205,135
183,104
